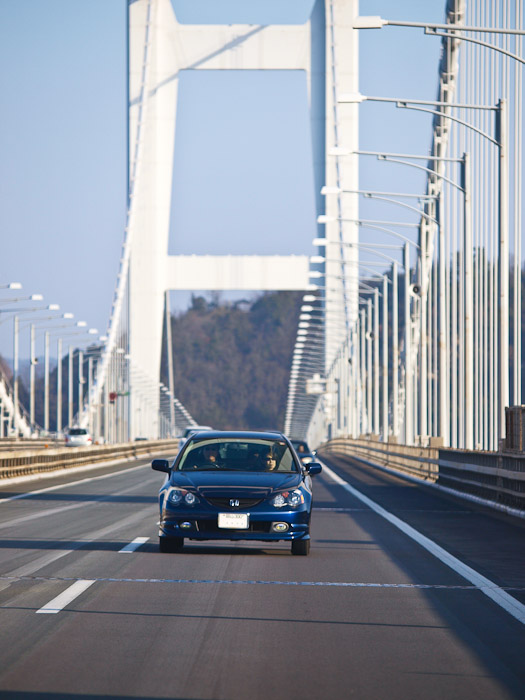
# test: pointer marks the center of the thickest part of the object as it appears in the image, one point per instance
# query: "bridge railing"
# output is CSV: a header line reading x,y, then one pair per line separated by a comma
x,y
36,461
497,478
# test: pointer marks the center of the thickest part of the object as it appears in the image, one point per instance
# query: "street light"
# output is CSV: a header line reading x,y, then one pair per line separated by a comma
x,y
66,315
309,345
395,351
500,141
33,361
466,363
376,22
18,312
15,300
406,158
385,197
71,353
78,325
424,258
408,422
456,32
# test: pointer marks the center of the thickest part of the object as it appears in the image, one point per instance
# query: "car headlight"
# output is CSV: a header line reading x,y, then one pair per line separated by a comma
x,y
292,499
177,496
306,460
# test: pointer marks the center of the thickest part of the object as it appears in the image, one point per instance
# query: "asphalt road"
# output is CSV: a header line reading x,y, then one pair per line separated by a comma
x,y
410,594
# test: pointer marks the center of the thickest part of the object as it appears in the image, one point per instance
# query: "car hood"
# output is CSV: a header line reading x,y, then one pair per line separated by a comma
x,y
235,484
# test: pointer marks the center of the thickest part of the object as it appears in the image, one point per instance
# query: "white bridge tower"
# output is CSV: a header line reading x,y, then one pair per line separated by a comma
x,y
160,48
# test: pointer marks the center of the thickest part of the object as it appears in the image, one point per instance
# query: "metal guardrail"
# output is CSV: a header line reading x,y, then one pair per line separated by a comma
x,y
28,462
496,477
12,444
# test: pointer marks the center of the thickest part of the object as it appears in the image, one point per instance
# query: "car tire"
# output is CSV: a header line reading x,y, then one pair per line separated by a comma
x,y
170,545
301,548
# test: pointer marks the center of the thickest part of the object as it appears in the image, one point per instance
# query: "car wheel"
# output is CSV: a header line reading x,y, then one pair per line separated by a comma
x,y
301,548
169,545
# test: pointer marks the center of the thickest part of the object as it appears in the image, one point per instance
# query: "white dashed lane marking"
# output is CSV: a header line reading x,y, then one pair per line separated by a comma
x,y
132,546
60,602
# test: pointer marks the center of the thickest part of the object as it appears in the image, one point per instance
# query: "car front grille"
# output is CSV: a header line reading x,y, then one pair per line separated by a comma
x,y
224,503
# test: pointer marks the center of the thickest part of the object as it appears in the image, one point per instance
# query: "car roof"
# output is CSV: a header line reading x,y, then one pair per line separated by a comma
x,y
242,434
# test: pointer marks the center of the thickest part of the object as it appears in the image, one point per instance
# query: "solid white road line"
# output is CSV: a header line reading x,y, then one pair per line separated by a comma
x,y
486,586
60,602
132,546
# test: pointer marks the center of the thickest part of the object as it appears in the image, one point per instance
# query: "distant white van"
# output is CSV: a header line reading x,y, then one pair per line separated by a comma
x,y
78,437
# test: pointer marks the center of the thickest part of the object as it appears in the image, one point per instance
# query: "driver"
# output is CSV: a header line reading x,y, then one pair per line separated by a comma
x,y
211,453
209,458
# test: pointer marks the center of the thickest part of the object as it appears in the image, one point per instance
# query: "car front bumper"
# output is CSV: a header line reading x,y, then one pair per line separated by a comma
x,y
199,525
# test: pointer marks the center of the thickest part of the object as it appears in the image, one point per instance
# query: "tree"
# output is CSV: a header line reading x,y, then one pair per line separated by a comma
x,y
232,361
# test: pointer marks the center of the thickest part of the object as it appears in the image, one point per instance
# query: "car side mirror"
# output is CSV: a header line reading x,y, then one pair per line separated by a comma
x,y
161,465
313,468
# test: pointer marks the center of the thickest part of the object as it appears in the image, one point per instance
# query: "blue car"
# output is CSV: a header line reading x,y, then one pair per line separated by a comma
x,y
236,486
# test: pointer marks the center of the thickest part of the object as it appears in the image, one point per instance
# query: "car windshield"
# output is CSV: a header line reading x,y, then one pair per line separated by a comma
x,y
300,446
230,454
78,431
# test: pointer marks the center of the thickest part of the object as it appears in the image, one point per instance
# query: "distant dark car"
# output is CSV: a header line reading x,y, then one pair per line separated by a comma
x,y
190,430
236,486
305,454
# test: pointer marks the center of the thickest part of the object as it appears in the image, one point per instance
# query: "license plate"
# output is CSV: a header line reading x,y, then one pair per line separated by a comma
x,y
233,521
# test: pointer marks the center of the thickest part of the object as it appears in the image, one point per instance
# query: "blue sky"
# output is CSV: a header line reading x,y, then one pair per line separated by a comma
x,y
243,177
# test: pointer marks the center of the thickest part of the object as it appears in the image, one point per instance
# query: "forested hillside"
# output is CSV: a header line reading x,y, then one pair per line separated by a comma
x,y
232,362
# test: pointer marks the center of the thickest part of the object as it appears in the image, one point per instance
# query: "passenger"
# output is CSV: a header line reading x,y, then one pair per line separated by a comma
x,y
270,461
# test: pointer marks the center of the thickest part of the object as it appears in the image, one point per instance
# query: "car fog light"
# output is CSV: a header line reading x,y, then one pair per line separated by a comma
x,y
280,527
185,526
